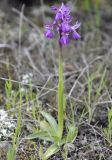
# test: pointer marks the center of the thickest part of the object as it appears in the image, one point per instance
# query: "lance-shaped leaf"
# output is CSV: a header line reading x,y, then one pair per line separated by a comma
x,y
51,120
44,135
50,151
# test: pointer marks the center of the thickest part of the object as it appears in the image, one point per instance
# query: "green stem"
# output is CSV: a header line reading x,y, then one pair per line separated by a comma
x,y
60,96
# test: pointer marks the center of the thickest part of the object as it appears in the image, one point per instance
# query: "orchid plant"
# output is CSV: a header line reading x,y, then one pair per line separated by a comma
x,y
51,130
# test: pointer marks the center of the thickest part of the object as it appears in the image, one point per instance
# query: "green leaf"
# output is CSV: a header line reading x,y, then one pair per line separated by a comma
x,y
51,121
44,135
50,151
11,155
44,125
41,153
72,133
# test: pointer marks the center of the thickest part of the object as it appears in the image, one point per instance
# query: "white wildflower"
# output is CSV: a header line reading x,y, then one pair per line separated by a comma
x,y
27,78
3,115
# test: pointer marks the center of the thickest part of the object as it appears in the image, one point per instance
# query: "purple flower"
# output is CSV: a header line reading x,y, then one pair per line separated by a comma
x,y
54,8
49,34
76,35
76,26
65,27
64,40
62,25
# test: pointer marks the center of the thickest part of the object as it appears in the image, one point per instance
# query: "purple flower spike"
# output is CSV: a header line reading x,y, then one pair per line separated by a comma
x,y
62,25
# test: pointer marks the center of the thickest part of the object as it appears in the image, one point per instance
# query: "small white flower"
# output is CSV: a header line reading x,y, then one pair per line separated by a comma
x,y
3,115
4,132
26,78
22,89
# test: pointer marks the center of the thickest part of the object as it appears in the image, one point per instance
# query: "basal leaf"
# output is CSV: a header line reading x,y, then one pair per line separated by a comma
x,y
44,135
50,151
50,120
